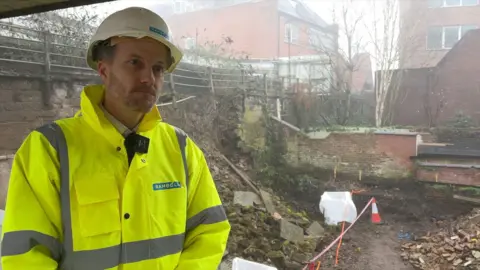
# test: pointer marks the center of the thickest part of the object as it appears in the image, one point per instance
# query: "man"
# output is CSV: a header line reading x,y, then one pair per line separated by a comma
x,y
114,187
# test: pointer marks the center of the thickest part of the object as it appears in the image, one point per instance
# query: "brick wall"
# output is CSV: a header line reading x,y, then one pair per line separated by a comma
x,y
446,175
451,87
382,155
449,170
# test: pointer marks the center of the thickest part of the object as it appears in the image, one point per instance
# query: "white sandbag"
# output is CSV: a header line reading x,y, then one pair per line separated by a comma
x,y
241,264
337,207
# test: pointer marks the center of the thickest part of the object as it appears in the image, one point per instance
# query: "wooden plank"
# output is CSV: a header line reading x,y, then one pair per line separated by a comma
x,y
245,178
467,199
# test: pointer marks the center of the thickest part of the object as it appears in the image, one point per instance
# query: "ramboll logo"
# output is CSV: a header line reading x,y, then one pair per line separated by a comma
x,y
166,185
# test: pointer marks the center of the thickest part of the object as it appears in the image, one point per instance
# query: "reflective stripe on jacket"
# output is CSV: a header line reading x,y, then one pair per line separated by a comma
x,y
74,203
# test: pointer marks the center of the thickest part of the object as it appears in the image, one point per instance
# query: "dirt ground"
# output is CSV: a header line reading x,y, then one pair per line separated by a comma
x,y
407,207
377,247
380,250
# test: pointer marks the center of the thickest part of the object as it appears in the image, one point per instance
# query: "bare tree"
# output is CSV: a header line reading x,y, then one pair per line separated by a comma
x,y
72,26
340,64
434,100
384,40
390,41
344,64
66,31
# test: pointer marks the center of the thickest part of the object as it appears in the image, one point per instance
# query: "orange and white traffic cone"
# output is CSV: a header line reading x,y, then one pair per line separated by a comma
x,y
376,219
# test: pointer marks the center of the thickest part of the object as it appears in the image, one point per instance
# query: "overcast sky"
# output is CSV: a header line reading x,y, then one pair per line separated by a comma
x,y
322,7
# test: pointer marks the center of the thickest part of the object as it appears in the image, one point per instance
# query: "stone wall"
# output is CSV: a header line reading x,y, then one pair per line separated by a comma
x,y
27,103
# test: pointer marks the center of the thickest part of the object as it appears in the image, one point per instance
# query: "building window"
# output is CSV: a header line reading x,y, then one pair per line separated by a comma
x,y
452,3
190,43
291,33
315,38
445,37
182,6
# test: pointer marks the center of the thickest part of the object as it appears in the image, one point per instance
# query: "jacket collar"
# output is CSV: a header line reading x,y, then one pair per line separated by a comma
x,y
90,109
124,130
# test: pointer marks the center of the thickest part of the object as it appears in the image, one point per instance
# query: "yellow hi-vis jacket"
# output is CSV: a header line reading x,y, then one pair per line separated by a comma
x,y
74,202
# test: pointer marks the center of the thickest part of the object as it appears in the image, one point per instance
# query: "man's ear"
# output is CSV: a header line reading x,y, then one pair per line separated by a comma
x,y
102,69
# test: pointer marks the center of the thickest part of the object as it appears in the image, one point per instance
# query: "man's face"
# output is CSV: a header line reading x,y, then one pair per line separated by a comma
x,y
134,77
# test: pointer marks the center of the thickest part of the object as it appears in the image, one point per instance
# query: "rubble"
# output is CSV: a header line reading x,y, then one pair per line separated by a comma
x,y
264,228
258,236
315,230
291,232
457,246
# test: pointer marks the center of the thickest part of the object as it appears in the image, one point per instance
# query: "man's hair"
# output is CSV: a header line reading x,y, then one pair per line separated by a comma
x,y
103,51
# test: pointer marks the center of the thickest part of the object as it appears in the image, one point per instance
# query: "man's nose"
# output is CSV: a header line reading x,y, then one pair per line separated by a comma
x,y
147,76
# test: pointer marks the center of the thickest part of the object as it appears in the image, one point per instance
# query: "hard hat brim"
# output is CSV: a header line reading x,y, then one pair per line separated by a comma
x,y
175,52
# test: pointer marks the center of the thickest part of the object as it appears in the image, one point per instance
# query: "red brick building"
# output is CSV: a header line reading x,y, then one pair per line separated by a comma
x,y
362,76
430,28
262,29
432,96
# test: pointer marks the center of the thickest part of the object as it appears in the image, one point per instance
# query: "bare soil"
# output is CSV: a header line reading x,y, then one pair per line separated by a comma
x,y
370,246
407,208
377,249
404,207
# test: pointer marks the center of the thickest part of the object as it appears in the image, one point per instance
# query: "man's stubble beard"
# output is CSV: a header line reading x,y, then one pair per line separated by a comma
x,y
133,104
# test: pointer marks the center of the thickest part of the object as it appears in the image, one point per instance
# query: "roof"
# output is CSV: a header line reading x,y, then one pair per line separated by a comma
x,y
456,150
26,7
300,11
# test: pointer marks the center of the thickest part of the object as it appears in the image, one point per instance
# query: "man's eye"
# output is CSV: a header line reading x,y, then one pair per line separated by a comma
x,y
158,69
133,62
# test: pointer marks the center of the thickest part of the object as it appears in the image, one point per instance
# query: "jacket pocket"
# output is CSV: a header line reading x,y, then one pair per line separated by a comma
x,y
98,206
168,208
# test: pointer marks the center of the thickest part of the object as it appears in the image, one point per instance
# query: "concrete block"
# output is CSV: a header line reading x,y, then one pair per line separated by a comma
x,y
246,198
291,232
315,230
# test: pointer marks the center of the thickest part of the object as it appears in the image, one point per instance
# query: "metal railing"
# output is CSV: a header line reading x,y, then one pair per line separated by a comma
x,y
22,49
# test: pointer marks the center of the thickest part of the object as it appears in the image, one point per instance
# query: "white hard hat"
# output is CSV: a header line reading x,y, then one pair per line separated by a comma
x,y
134,22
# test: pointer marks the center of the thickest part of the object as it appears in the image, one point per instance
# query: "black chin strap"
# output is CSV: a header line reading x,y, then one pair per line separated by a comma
x,y
135,143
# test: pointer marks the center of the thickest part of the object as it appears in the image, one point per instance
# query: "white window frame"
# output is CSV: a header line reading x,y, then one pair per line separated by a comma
x,y
291,33
190,43
179,7
315,37
445,4
460,4
182,6
459,35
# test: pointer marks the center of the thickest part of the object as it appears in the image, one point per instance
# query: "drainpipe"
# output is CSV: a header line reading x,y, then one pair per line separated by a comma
x,y
278,35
